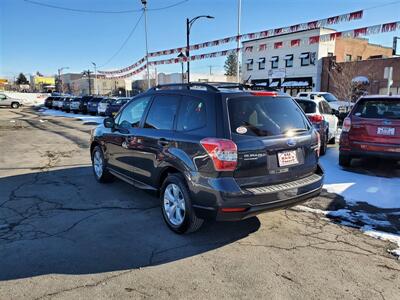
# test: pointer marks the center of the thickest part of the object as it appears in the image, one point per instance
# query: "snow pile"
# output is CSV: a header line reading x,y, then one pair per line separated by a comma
x,y
354,187
84,118
394,238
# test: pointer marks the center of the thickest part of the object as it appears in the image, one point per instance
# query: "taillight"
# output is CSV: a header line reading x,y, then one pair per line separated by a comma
x,y
264,93
346,125
222,152
316,118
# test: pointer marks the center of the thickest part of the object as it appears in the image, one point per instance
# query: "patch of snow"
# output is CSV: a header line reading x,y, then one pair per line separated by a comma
x,y
394,238
354,187
84,118
12,121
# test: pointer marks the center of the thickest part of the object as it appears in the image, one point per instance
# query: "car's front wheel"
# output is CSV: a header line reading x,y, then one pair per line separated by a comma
x,y
176,206
99,166
15,105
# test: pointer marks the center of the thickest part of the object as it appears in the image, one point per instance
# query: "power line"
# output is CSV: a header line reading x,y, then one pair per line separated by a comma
x,y
124,43
100,11
382,5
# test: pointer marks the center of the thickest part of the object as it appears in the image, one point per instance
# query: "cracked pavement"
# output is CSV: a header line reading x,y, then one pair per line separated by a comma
x,y
63,236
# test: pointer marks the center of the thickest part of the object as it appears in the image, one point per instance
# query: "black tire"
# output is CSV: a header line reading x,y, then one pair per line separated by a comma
x,y
344,160
15,105
332,141
105,175
324,146
191,222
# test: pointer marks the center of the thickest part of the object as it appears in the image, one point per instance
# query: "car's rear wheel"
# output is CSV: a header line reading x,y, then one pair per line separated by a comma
x,y
99,166
15,105
344,160
332,141
176,206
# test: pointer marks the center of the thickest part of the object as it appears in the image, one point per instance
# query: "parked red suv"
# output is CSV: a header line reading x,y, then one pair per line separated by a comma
x,y
371,128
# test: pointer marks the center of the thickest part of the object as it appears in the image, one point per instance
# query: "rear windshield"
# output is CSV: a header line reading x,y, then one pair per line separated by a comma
x,y
329,97
120,101
378,109
308,107
96,99
265,116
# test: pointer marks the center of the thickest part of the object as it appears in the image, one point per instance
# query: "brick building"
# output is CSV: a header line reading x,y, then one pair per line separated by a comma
x,y
337,77
359,49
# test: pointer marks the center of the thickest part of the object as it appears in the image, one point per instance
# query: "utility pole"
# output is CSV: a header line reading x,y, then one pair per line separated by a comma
x,y
95,78
210,70
61,88
144,2
87,73
238,42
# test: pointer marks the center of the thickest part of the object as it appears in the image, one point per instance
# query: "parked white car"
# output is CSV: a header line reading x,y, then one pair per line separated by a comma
x,y
323,108
8,101
341,108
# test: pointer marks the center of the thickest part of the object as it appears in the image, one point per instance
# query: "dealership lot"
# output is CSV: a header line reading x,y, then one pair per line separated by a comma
x,y
62,235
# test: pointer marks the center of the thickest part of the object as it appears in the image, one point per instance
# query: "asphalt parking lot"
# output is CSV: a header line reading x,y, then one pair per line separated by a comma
x,y
63,235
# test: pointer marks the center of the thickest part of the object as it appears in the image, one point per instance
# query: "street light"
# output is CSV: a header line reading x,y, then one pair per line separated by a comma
x,y
95,78
181,55
144,2
59,78
189,24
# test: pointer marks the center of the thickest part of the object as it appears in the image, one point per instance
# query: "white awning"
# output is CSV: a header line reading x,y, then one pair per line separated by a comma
x,y
261,59
304,55
295,83
289,56
360,79
274,58
274,84
249,61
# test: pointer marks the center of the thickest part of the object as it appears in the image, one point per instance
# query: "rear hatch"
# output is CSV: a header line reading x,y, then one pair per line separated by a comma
x,y
276,142
376,120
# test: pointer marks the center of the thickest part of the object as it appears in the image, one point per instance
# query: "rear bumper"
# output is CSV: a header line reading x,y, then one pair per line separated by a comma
x,y
360,149
211,195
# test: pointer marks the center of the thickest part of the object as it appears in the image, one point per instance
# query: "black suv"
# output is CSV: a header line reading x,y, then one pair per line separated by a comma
x,y
211,153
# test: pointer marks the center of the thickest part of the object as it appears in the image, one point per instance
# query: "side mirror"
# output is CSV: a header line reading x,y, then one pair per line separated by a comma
x,y
109,122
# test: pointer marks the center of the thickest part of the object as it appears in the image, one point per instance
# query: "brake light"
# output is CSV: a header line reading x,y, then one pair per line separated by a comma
x,y
222,152
346,125
316,118
264,93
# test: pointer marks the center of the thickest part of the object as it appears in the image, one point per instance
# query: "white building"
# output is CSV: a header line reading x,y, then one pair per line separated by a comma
x,y
287,61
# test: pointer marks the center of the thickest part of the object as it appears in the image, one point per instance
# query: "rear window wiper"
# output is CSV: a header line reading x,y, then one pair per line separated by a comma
x,y
295,130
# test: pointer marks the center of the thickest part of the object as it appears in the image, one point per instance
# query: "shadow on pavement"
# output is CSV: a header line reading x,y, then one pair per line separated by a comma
x,y
64,222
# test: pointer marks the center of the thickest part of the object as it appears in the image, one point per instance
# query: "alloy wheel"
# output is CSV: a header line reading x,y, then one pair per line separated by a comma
x,y
174,204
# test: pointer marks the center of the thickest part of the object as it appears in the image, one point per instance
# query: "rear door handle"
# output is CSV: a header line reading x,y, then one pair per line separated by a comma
x,y
163,142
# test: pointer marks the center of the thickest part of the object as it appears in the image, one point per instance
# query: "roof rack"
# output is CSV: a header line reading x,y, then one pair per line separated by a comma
x,y
182,86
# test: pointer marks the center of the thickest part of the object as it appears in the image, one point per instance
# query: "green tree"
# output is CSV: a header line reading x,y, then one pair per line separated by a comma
x,y
22,79
231,65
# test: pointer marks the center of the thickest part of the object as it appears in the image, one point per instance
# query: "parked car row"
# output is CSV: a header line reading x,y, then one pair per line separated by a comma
x,y
94,105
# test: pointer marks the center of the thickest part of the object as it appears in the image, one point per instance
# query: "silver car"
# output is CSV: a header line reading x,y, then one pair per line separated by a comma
x,y
9,101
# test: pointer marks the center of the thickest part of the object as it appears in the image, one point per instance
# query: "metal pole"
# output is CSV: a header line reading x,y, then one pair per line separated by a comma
x,y
187,49
95,79
238,41
147,49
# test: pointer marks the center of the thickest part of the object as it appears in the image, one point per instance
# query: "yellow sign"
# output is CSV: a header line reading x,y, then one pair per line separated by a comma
x,y
3,81
44,80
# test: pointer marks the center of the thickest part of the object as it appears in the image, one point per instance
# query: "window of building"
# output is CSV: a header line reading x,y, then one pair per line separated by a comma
x,y
249,64
274,62
347,57
359,58
261,63
162,112
289,61
305,59
192,114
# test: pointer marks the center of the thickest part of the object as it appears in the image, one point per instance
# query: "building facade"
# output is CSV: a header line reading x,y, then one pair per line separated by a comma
x,y
342,78
291,63
359,49
286,61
